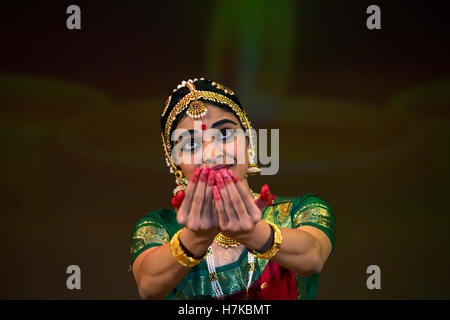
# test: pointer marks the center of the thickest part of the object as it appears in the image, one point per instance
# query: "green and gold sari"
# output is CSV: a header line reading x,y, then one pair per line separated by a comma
x,y
270,281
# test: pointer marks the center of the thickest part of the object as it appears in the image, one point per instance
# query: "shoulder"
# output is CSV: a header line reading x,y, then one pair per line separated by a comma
x,y
299,203
311,210
154,229
308,209
160,218
310,200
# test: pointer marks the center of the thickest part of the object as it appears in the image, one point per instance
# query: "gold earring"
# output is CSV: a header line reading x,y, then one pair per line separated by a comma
x,y
181,182
253,169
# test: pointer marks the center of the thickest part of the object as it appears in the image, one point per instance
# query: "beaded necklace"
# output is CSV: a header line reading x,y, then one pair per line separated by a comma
x,y
227,242
217,289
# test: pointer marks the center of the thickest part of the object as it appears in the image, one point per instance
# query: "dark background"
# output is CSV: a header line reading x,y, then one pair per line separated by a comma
x,y
363,116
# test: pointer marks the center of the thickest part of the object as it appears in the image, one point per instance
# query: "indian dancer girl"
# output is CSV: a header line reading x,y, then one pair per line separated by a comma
x,y
221,240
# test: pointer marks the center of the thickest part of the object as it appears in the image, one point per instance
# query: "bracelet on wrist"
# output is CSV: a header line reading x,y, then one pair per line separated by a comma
x,y
268,244
277,240
180,255
188,253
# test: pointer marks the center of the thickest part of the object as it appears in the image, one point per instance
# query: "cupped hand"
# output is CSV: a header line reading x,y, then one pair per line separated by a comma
x,y
195,206
237,211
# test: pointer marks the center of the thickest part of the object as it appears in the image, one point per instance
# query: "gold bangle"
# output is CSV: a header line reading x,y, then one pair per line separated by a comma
x,y
180,255
277,239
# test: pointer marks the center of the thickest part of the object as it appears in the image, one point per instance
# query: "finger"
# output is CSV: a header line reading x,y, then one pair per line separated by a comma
x,y
185,206
253,210
235,197
248,199
198,200
192,185
218,204
208,216
214,214
228,210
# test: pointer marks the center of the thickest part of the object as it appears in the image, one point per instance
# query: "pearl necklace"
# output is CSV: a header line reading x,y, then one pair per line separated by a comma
x,y
227,242
217,289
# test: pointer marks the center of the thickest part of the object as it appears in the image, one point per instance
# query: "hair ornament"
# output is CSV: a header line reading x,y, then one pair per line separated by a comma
x,y
166,105
223,88
197,109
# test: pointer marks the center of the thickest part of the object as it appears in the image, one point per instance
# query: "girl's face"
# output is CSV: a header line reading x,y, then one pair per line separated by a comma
x,y
207,142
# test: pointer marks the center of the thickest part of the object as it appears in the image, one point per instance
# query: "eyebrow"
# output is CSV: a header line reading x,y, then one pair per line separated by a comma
x,y
223,121
215,125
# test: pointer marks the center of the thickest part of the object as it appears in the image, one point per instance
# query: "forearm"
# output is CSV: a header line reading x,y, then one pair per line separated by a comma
x,y
159,273
299,252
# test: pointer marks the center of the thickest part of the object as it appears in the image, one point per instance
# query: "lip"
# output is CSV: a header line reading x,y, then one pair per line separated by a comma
x,y
221,166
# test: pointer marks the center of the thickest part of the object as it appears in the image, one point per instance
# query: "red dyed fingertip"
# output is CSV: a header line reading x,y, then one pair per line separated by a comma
x,y
233,176
195,175
204,174
211,178
219,180
226,176
224,172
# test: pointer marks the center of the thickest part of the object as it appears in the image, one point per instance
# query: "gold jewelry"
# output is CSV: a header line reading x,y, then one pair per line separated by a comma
x,y
179,178
277,240
181,182
224,241
253,169
166,105
180,255
196,110
178,188
223,88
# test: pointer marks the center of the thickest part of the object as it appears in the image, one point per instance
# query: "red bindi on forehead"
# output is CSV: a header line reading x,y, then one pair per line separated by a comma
x,y
203,127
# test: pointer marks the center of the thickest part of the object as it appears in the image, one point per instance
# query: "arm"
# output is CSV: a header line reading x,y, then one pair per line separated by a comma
x,y
157,272
304,250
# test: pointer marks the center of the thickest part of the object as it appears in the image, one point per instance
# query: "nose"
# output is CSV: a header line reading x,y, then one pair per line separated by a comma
x,y
210,154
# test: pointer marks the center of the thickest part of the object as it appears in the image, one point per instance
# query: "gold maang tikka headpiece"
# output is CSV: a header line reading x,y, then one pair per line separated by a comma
x,y
196,109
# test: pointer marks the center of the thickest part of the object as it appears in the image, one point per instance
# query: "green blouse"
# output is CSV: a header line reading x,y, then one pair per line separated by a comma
x,y
158,227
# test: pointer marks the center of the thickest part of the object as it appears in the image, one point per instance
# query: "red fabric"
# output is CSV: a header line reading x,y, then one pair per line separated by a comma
x,y
275,283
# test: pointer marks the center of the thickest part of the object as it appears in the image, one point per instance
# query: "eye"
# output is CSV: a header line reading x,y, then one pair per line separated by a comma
x,y
226,134
191,145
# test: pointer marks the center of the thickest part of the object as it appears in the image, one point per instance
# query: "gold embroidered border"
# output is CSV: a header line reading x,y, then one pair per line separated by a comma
x,y
316,215
146,235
